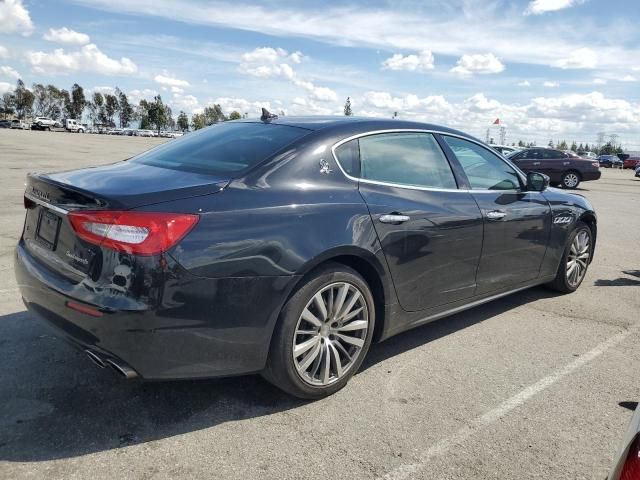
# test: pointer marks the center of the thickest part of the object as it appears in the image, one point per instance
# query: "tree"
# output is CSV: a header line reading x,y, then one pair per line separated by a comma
x,y
24,99
214,114
235,115
574,146
7,104
198,121
96,108
521,143
111,106
158,113
347,107
183,121
550,144
562,145
126,112
77,103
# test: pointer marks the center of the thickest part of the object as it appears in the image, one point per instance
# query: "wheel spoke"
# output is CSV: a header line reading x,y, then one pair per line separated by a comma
x,y
311,356
326,370
319,302
336,359
352,314
342,295
358,342
355,325
306,345
311,318
349,305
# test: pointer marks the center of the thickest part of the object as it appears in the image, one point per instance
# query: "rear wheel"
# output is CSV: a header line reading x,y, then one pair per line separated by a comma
x,y
570,179
323,334
575,260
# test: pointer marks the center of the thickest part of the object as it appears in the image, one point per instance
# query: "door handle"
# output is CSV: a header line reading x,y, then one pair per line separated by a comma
x,y
536,163
394,218
496,215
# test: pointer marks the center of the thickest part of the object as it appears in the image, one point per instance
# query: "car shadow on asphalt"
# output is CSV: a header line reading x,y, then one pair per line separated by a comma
x,y
54,403
620,281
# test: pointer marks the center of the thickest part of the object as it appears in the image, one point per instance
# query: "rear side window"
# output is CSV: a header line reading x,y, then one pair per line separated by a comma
x,y
484,169
413,159
222,149
348,155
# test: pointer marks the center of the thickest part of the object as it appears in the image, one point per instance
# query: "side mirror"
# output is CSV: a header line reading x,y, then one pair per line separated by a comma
x,y
537,182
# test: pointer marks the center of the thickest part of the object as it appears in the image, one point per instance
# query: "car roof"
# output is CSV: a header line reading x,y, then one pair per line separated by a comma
x,y
321,122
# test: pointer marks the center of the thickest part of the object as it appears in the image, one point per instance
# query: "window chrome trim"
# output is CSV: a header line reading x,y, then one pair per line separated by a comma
x,y
416,187
48,205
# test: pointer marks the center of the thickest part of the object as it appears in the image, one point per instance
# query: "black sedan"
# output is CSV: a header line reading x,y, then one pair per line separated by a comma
x,y
287,246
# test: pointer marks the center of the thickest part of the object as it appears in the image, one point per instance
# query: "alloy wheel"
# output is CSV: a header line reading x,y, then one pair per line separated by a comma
x,y
571,180
578,258
330,333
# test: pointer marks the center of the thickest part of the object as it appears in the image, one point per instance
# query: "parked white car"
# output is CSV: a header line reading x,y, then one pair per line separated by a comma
x,y
19,124
43,123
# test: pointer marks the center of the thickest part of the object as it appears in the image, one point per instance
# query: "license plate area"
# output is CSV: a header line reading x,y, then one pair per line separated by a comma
x,y
48,229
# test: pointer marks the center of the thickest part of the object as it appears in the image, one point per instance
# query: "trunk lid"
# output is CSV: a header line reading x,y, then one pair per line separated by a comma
x,y
48,234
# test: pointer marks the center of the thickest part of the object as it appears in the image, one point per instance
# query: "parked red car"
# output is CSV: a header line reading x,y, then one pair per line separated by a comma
x,y
631,162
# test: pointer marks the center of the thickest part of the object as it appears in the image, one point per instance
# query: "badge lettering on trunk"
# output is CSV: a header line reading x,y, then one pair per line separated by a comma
x,y
76,258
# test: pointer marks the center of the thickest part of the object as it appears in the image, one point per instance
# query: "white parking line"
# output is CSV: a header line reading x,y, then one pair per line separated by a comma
x,y
483,421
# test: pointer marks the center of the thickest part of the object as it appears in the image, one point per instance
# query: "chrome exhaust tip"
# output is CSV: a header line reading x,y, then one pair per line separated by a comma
x,y
125,371
95,359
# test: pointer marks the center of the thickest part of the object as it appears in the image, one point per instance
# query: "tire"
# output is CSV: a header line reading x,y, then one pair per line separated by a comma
x,y
570,180
48,129
565,282
80,130
305,376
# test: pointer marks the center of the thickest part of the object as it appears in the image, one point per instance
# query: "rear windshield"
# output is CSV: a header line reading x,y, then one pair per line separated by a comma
x,y
222,149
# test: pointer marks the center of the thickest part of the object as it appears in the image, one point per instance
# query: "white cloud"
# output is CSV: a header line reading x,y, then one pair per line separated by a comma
x,y
7,71
4,52
102,89
524,83
134,96
580,58
269,62
550,84
88,59
478,63
14,18
65,35
536,7
599,81
168,81
5,87
421,62
629,78
186,103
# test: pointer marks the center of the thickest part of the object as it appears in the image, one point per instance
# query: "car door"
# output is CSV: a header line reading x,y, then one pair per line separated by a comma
x,y
527,160
517,223
554,163
429,230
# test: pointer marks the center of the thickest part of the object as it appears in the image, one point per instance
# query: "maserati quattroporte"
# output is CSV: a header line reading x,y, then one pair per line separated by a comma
x,y
287,246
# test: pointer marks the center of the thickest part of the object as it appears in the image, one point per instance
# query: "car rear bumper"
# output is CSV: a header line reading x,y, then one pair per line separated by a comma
x,y
595,175
202,327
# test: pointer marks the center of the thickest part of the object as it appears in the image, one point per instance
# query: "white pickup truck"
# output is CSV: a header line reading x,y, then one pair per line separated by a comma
x,y
71,125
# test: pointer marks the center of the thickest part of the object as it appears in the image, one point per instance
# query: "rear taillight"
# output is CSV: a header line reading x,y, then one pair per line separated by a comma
x,y
138,233
631,468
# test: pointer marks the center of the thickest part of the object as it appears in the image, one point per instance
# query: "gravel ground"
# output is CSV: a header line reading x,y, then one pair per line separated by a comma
x,y
530,386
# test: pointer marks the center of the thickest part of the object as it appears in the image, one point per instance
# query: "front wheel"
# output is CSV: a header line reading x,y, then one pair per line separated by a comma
x,y
570,180
323,334
575,260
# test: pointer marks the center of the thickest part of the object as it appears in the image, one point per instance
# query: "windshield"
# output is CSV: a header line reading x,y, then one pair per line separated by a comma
x,y
223,148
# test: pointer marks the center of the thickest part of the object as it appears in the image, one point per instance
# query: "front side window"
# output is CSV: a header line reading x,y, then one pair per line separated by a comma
x,y
484,170
405,158
551,154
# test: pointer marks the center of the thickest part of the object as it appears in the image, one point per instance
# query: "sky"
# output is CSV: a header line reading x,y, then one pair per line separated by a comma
x,y
548,69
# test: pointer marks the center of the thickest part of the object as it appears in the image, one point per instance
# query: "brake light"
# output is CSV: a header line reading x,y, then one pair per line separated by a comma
x,y
138,233
631,468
